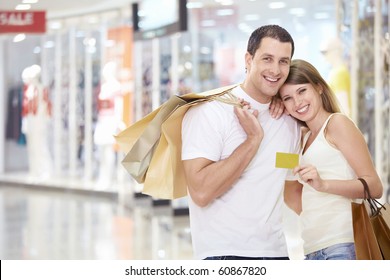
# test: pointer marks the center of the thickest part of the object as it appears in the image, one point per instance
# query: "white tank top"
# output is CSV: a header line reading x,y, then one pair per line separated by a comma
x,y
326,218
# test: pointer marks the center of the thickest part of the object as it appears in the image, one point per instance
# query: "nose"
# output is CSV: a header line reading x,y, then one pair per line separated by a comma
x,y
297,100
275,69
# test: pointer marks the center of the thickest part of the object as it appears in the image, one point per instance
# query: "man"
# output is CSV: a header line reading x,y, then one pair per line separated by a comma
x,y
235,191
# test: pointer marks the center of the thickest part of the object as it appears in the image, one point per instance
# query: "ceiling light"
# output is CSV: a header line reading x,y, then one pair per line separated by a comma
x,y
55,25
208,23
20,37
276,5
225,12
205,50
23,7
48,45
226,2
194,5
37,50
299,12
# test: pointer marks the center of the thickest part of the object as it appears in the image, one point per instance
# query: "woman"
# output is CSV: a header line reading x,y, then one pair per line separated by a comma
x,y
333,156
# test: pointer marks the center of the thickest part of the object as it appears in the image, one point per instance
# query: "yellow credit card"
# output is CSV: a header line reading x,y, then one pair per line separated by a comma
x,y
286,160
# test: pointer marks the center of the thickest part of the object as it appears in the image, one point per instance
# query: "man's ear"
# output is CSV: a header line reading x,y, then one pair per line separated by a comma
x,y
248,61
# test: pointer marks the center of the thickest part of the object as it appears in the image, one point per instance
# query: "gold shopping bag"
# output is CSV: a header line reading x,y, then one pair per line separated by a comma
x,y
142,142
153,144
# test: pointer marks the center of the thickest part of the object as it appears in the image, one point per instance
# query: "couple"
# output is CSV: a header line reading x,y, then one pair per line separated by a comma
x,y
235,191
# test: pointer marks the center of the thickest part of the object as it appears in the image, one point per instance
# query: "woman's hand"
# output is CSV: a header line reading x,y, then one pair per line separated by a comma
x,y
309,174
276,107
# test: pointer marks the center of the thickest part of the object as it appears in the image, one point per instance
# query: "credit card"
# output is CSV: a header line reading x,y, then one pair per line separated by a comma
x,y
286,160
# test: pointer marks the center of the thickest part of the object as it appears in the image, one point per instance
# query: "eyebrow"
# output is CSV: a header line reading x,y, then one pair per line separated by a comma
x,y
273,56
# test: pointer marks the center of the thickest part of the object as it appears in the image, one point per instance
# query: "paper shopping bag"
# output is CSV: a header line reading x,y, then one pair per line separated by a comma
x,y
366,244
165,178
141,150
157,163
381,225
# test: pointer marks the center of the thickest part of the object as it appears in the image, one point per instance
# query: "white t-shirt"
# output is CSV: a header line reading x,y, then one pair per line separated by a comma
x,y
247,219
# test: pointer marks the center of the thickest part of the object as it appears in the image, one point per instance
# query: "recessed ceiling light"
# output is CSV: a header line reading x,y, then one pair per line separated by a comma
x,y
48,45
29,1
225,12
208,23
194,5
20,37
226,2
299,12
55,25
277,5
23,7
37,50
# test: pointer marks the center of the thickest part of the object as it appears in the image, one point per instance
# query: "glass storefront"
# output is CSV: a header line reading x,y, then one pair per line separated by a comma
x,y
75,51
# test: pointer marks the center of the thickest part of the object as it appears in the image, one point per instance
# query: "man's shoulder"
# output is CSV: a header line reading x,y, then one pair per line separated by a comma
x,y
290,120
292,124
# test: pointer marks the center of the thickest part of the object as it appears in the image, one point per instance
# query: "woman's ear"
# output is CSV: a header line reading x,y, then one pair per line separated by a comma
x,y
319,89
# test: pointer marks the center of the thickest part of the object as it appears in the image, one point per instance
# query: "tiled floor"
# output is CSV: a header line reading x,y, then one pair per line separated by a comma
x,y
43,224
65,219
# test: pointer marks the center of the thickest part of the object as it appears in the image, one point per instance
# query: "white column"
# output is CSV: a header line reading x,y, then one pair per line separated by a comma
x,y
155,73
3,103
57,106
44,64
181,203
378,88
138,79
355,60
174,64
195,33
338,17
72,118
88,141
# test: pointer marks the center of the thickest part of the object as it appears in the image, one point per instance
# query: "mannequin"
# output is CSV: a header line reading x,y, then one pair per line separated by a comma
x,y
108,122
36,113
339,78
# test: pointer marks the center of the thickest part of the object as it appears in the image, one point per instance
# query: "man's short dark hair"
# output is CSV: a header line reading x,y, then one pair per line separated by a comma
x,y
271,31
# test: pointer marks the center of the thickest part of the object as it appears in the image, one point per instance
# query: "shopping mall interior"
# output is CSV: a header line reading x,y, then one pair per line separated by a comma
x,y
101,66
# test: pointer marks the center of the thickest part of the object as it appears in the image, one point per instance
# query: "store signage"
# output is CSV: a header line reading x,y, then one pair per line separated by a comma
x,y
22,21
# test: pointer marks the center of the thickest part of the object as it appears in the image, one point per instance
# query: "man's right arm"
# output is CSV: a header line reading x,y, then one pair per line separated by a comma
x,y
207,179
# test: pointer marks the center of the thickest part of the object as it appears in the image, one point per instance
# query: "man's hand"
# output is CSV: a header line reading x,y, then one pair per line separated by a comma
x,y
249,122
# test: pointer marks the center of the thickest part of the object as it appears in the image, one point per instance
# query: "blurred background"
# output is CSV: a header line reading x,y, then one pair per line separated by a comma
x,y
75,73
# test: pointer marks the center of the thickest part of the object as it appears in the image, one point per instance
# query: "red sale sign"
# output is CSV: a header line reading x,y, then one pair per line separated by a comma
x,y
22,21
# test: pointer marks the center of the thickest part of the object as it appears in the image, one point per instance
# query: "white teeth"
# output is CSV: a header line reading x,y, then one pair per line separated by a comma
x,y
271,79
303,109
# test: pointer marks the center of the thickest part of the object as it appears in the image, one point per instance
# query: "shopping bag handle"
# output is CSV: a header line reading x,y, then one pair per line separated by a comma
x,y
373,203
